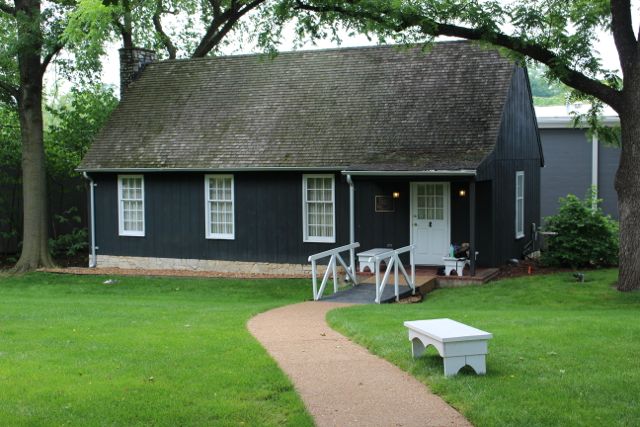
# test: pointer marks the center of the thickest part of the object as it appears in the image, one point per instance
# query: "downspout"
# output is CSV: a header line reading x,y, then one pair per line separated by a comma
x,y
92,257
352,226
594,170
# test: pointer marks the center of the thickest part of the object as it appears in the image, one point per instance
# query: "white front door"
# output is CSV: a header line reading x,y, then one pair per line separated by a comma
x,y
430,221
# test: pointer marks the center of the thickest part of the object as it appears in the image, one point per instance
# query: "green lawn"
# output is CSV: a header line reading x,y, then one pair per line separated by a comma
x,y
144,351
563,353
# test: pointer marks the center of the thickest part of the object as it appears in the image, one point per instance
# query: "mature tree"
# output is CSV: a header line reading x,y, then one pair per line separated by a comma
x,y
557,33
29,40
32,33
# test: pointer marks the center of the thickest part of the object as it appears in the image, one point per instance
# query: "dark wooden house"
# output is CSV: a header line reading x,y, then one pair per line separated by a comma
x,y
245,163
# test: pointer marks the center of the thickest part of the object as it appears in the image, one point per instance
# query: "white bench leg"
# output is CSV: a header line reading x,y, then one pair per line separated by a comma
x,y
453,364
417,348
478,363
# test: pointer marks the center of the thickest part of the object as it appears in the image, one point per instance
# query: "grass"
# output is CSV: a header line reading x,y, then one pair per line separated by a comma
x,y
563,353
143,351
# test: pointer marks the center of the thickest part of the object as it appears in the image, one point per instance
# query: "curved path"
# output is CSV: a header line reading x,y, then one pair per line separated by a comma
x,y
341,383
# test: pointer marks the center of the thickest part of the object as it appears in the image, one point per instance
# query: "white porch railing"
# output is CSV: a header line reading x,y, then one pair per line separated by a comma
x,y
392,260
332,267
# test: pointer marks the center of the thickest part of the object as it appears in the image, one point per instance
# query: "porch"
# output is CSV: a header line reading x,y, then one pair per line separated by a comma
x,y
426,280
421,213
389,281
431,211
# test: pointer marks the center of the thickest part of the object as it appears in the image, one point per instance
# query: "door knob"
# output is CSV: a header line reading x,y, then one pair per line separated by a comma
x,y
415,224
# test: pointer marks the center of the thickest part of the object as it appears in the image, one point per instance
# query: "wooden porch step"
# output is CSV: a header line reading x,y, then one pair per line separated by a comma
x,y
425,283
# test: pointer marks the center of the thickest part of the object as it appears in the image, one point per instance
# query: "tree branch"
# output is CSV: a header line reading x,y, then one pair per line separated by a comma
x,y
623,35
215,5
164,37
7,9
220,27
49,57
405,20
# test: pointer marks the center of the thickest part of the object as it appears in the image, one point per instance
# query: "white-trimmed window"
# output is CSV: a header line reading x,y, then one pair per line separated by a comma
x,y
519,204
219,209
318,208
131,205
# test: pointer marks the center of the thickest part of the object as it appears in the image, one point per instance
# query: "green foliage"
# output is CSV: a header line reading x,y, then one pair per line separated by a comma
x,y
69,244
545,90
186,24
10,145
76,120
88,27
10,157
586,237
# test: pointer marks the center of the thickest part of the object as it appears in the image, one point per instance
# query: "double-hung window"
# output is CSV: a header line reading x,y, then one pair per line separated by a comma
x,y
318,208
519,204
220,219
131,205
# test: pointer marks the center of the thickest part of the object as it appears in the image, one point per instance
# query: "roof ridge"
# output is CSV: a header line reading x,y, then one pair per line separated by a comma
x,y
399,46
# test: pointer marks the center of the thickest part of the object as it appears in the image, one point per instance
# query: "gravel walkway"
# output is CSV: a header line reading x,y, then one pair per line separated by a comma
x,y
341,383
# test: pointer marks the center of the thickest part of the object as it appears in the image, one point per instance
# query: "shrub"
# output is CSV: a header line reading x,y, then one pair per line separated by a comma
x,y
586,236
69,244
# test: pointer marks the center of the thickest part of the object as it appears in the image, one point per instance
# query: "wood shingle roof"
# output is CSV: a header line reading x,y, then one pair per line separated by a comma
x,y
373,108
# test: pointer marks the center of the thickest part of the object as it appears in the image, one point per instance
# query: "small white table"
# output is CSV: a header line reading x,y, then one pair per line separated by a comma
x,y
363,258
458,344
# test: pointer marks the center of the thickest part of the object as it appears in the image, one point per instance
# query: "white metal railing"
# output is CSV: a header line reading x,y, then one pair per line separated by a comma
x,y
392,260
332,267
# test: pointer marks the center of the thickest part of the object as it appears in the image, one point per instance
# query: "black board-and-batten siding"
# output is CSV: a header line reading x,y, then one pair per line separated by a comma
x,y
518,149
268,218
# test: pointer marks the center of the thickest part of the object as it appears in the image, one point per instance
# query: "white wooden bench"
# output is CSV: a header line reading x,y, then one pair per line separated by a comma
x,y
365,261
458,344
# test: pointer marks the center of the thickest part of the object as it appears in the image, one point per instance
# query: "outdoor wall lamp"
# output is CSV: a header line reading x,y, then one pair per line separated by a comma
x,y
462,192
396,194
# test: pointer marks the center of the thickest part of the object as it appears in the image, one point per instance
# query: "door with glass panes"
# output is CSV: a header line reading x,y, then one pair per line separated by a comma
x,y
430,231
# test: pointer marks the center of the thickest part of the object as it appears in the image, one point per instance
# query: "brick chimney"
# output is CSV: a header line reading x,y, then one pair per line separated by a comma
x,y
132,62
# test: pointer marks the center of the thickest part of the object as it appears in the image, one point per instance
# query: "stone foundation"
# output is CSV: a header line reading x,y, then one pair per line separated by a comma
x,y
217,266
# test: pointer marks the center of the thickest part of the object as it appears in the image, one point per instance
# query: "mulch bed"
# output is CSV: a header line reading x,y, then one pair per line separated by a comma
x,y
528,267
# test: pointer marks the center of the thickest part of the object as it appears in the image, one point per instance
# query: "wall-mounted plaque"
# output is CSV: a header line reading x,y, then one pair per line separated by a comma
x,y
384,204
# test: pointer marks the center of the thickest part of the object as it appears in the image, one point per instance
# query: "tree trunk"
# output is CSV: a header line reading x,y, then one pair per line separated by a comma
x,y
628,188
35,249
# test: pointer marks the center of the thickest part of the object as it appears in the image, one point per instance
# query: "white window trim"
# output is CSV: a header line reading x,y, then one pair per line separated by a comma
x,y
305,219
519,233
207,209
121,230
